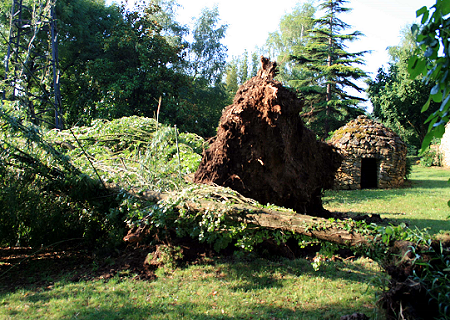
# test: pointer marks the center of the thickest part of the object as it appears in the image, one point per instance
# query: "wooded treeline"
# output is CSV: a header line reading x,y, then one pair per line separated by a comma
x,y
117,60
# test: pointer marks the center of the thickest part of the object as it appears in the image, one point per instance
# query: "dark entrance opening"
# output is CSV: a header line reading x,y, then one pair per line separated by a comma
x,y
369,173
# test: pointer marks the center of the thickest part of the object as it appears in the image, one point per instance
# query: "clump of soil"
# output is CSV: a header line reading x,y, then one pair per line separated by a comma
x,y
407,297
264,151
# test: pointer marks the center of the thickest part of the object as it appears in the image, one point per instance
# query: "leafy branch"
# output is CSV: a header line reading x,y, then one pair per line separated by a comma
x,y
432,61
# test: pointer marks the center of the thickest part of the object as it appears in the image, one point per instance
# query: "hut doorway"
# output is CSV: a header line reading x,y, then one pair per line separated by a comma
x,y
369,173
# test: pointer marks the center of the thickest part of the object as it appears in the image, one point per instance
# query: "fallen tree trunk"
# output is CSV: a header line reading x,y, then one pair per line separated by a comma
x,y
316,227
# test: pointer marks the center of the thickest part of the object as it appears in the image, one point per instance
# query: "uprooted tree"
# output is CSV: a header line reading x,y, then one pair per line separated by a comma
x,y
264,151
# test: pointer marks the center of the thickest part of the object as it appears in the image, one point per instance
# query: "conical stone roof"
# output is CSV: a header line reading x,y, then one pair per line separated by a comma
x,y
364,138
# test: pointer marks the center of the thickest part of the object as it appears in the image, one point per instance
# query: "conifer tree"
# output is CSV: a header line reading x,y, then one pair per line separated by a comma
x,y
231,81
328,71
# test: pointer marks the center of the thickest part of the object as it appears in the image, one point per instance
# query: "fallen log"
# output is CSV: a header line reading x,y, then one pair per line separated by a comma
x,y
249,212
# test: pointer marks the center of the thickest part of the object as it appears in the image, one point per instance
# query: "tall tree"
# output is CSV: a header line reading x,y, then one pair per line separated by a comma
x,y
239,70
397,100
231,80
121,67
206,54
328,71
28,57
255,65
293,33
204,97
243,68
118,61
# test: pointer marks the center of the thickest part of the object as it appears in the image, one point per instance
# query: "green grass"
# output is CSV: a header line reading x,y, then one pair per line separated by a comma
x,y
222,289
422,203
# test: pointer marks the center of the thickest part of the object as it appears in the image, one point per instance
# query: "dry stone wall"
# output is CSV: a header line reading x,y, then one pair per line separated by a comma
x,y
362,139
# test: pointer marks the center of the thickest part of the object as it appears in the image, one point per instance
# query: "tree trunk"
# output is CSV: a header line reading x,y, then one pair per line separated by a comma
x,y
310,226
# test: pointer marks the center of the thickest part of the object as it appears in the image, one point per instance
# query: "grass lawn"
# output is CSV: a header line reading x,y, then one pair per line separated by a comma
x,y
250,287
421,203
221,289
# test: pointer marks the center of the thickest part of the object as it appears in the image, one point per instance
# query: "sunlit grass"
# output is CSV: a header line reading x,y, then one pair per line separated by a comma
x,y
223,289
422,203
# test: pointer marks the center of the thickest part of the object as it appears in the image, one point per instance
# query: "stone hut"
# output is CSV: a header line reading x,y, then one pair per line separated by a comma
x,y
374,156
444,148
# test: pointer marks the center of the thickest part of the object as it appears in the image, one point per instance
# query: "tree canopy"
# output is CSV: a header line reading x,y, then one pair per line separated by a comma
x,y
119,61
324,71
293,33
207,55
398,100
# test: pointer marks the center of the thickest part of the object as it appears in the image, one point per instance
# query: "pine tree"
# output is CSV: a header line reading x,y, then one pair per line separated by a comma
x,y
328,71
231,81
243,68
292,33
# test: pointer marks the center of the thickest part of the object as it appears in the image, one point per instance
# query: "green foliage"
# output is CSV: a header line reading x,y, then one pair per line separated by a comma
x,y
327,71
132,151
432,60
49,195
430,157
243,68
125,72
206,54
435,277
239,70
43,197
119,61
398,100
207,226
293,34
27,75
231,80
408,167
197,110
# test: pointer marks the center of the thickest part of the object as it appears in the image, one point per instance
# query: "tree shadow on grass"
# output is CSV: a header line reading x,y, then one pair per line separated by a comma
x,y
251,275
169,308
397,218
191,311
434,184
188,311
271,274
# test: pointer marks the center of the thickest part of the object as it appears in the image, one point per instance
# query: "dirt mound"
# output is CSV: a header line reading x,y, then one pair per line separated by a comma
x,y
264,151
